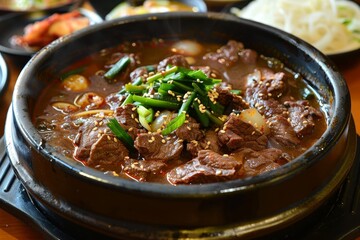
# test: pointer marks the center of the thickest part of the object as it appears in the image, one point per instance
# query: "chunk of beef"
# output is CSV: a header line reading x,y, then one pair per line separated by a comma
x,y
256,162
226,55
210,142
127,117
207,167
87,135
175,60
189,131
248,56
269,86
302,116
142,170
227,98
238,134
155,146
282,132
107,151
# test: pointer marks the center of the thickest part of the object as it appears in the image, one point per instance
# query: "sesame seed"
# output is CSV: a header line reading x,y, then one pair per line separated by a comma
x,y
95,128
163,141
115,139
222,131
108,137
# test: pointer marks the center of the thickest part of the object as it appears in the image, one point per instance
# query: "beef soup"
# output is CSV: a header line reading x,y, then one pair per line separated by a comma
x,y
180,112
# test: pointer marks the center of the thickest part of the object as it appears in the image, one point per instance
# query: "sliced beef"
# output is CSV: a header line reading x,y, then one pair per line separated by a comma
x,y
271,107
156,146
302,116
114,100
230,100
139,72
256,162
189,131
175,60
107,151
88,133
282,132
207,167
209,141
226,55
127,116
142,170
238,134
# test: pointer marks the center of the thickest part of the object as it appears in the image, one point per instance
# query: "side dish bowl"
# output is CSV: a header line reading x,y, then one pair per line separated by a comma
x,y
121,208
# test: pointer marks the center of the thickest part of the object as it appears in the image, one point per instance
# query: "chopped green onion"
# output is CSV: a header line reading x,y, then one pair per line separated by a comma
x,y
161,74
203,118
144,123
174,124
117,67
213,118
120,133
149,118
155,102
185,106
174,76
198,89
182,86
127,100
143,111
134,89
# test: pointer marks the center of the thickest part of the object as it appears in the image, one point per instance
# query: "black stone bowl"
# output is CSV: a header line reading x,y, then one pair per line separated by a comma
x,y
119,208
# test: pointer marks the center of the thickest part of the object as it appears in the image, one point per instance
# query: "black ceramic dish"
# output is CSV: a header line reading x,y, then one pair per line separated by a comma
x,y
14,24
124,209
3,75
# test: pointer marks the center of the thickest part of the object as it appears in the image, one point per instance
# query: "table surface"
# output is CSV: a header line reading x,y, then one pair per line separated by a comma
x,y
14,228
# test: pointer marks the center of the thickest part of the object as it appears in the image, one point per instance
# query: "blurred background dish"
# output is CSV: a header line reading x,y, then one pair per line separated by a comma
x,y
3,75
13,25
333,27
114,8
33,5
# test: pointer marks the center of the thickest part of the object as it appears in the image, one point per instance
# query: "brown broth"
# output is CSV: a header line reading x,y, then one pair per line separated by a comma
x,y
59,129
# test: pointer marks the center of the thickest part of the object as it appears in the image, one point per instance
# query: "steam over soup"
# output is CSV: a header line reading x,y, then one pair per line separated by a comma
x,y
180,112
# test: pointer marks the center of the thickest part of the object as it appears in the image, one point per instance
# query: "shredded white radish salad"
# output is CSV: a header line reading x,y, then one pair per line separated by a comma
x,y
332,26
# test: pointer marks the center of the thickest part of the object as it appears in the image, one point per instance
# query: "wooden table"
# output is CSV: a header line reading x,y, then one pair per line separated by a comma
x,y
13,228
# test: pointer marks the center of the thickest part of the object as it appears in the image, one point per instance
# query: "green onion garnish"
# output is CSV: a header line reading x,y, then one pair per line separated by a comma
x,y
117,67
120,133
